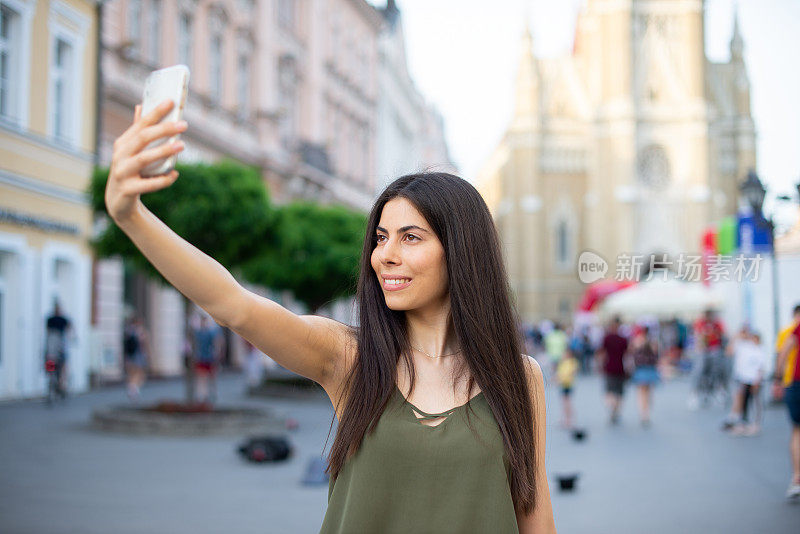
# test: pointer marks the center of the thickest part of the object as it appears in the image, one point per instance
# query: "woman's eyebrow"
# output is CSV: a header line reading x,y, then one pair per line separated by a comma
x,y
403,229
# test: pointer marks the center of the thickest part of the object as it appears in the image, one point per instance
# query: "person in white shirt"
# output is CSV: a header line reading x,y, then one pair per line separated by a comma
x,y
749,368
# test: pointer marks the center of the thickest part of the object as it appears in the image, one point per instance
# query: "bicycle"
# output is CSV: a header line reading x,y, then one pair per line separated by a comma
x,y
53,369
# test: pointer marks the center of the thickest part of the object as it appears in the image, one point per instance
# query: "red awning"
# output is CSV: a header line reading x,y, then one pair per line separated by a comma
x,y
599,290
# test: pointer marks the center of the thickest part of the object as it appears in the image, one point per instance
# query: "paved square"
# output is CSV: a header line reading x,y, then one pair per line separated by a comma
x,y
682,475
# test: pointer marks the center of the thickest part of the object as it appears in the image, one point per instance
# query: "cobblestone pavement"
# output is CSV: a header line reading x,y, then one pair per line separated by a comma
x,y
682,475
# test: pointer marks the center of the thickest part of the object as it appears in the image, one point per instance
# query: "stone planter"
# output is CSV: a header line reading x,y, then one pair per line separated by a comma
x,y
173,419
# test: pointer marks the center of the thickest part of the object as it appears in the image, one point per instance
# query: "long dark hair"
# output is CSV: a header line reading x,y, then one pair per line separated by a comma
x,y
482,316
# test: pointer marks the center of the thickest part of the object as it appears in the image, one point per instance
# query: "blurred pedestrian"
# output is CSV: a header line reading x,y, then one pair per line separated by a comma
x,y
208,354
670,341
737,345
537,339
791,359
58,329
792,399
610,358
555,343
581,348
645,375
711,374
749,368
565,373
683,341
135,348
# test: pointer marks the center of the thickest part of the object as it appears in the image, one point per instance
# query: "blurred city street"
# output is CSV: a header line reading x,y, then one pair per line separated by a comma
x,y
681,475
197,187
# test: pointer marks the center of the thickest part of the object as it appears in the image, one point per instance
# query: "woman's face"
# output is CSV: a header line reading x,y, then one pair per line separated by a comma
x,y
408,259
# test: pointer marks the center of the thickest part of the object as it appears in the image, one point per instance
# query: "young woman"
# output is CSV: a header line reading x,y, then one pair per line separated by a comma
x,y
436,324
645,375
136,351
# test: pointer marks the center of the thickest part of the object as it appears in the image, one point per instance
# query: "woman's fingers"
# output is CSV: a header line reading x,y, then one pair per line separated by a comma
x,y
141,160
132,143
163,129
149,185
145,130
155,115
130,155
123,145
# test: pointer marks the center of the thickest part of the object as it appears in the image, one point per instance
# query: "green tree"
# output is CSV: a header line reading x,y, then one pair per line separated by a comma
x,y
316,253
222,209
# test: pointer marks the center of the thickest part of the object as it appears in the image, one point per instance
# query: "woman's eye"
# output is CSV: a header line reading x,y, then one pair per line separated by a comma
x,y
412,237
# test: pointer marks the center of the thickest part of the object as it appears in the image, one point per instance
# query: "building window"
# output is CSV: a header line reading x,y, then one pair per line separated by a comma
x,y
334,36
154,32
215,68
63,86
185,40
365,174
135,22
243,89
363,68
287,14
347,147
10,52
335,139
287,80
347,59
563,244
653,168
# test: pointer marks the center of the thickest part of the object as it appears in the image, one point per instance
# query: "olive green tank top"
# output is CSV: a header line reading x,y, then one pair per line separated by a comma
x,y
408,477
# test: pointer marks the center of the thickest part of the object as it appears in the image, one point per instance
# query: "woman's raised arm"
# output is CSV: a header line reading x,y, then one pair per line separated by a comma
x,y
310,346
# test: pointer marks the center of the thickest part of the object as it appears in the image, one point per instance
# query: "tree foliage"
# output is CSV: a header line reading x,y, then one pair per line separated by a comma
x,y
222,209
316,256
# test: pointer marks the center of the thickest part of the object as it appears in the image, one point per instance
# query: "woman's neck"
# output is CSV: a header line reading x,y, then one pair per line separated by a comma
x,y
432,332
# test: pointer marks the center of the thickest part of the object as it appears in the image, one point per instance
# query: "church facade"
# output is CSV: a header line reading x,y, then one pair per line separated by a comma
x,y
631,145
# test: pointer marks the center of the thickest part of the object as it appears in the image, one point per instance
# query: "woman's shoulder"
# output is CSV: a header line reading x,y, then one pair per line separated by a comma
x,y
531,363
534,374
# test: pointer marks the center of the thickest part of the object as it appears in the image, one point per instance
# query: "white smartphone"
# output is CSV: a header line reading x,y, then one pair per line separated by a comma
x,y
169,83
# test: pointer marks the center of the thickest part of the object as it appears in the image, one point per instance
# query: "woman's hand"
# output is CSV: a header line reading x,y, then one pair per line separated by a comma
x,y
125,184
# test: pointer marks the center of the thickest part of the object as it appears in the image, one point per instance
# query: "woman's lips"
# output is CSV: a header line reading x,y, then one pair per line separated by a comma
x,y
395,287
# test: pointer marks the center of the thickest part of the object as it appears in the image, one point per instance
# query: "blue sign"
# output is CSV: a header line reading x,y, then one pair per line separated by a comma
x,y
753,235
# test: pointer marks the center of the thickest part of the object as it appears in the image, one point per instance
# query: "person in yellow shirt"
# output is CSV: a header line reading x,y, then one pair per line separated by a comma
x,y
565,373
788,370
791,395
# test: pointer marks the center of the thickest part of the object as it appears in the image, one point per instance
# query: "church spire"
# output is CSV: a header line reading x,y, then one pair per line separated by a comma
x,y
527,84
737,43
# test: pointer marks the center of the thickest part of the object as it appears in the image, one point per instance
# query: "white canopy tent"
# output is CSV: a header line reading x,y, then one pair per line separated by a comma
x,y
662,299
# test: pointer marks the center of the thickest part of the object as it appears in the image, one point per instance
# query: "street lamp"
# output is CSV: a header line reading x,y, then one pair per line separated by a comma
x,y
753,192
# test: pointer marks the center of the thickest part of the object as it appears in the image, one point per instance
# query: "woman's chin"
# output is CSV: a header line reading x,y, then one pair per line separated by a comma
x,y
397,302
397,306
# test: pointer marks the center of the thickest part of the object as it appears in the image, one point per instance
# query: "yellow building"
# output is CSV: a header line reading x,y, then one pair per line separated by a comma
x,y
47,144
631,144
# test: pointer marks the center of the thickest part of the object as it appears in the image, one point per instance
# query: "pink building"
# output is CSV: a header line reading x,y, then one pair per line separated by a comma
x,y
289,86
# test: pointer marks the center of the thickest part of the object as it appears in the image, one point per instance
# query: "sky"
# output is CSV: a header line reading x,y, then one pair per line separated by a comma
x,y
463,56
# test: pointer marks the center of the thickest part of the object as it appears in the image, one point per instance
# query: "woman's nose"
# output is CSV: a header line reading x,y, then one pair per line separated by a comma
x,y
391,253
